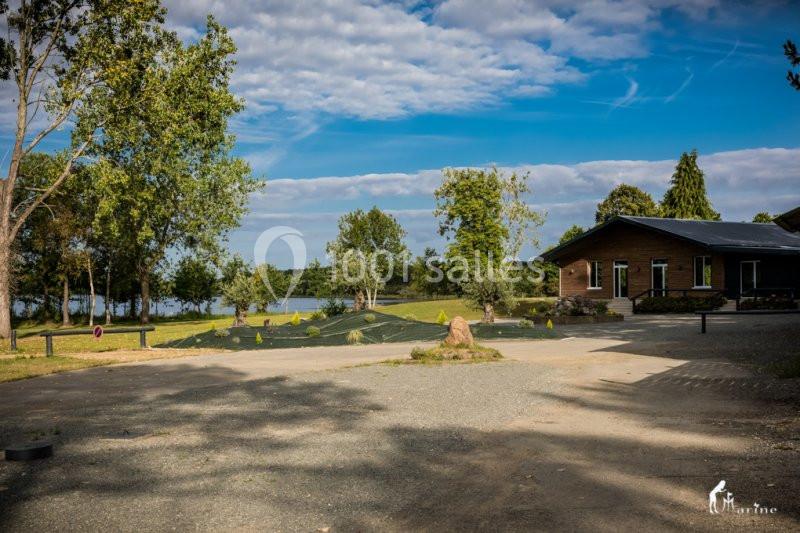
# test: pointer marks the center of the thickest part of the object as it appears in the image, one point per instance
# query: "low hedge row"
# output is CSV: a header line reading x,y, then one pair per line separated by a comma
x,y
767,303
679,304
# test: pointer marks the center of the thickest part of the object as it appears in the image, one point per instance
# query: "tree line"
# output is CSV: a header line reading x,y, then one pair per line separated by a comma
x,y
148,171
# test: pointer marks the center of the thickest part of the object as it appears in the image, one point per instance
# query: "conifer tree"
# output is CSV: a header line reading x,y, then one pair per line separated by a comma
x,y
686,198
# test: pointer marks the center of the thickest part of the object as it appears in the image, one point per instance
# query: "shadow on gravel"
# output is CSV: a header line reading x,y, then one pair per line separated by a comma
x,y
285,454
748,339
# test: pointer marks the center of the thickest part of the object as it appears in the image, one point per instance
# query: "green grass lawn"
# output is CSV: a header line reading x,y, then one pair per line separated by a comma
x,y
22,367
428,310
30,343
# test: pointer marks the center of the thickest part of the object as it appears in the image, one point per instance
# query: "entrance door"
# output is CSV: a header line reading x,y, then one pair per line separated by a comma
x,y
749,277
659,267
620,279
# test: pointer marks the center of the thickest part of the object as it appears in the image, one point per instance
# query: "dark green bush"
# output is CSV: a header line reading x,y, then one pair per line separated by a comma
x,y
527,308
767,303
334,307
679,304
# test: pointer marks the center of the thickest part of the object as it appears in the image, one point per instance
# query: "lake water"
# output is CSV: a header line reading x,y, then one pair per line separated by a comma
x,y
171,307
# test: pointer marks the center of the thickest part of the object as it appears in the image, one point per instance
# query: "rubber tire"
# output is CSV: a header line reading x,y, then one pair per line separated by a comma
x,y
30,451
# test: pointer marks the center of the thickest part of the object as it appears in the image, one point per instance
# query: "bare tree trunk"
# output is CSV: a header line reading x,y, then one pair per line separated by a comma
x,y
92,296
45,302
108,293
358,300
132,309
5,291
144,281
240,317
488,313
65,321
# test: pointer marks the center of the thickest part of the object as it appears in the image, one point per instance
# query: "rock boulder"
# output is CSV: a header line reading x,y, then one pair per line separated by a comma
x,y
459,333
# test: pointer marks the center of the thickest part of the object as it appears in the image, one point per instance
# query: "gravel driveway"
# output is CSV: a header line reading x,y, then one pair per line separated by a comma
x,y
592,432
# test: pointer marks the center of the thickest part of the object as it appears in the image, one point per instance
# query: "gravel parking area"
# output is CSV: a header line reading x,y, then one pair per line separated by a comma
x,y
322,449
609,429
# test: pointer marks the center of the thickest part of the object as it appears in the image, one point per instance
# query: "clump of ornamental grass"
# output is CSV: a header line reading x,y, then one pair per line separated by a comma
x,y
355,337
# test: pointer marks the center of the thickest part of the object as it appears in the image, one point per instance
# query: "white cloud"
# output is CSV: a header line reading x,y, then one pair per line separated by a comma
x,y
370,59
739,168
740,183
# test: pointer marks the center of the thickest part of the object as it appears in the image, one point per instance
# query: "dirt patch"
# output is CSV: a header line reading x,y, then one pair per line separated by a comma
x,y
132,356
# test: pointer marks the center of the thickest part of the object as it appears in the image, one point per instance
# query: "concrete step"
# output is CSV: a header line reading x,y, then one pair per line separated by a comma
x,y
622,306
730,305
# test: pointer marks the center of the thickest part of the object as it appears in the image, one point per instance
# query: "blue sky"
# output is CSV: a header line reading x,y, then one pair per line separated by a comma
x,y
359,103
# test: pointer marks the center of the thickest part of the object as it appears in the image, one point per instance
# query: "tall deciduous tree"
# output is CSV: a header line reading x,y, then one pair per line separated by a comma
x,y
271,284
68,58
686,197
625,200
763,217
194,282
367,251
169,164
484,214
570,233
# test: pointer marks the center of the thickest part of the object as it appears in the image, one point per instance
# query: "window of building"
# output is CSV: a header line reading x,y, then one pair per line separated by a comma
x,y
702,271
595,275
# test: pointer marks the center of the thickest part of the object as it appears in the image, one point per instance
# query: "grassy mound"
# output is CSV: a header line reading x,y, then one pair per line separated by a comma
x,y
335,331
444,352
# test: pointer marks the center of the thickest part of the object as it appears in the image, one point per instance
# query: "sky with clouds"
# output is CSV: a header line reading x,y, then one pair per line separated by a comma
x,y
355,103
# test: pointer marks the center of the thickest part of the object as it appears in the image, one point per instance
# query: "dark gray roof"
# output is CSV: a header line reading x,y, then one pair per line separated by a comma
x,y
790,220
715,235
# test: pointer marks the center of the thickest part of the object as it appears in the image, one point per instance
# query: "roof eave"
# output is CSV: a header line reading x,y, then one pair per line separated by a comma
x,y
789,220
557,252
756,250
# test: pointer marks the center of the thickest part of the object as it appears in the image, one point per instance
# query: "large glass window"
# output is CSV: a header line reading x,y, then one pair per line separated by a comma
x,y
595,275
702,271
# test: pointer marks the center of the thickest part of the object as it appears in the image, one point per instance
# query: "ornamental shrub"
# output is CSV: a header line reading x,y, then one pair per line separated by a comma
x,y
259,340
679,304
355,337
312,331
525,323
442,318
318,315
334,307
767,303
295,321
369,318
